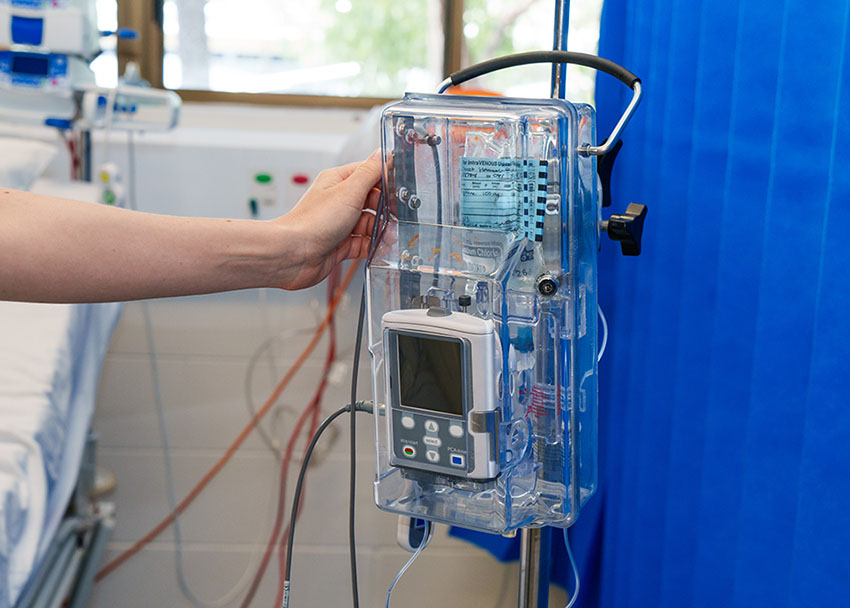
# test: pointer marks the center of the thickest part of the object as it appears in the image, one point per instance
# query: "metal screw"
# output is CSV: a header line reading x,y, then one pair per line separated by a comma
x,y
414,203
547,285
403,194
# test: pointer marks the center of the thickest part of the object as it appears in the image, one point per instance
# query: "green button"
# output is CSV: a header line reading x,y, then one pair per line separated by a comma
x,y
263,178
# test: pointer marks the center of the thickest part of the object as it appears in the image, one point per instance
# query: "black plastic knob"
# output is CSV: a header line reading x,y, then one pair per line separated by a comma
x,y
464,302
627,228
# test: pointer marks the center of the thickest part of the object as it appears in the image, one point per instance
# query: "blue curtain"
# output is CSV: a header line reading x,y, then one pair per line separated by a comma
x,y
725,391
725,409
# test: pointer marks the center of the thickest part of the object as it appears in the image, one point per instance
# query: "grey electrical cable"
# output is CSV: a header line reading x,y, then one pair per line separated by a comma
x,y
377,228
381,217
426,540
240,586
359,406
355,594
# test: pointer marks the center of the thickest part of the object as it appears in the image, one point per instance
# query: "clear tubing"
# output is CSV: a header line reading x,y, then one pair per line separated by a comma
x,y
574,595
604,334
265,347
426,540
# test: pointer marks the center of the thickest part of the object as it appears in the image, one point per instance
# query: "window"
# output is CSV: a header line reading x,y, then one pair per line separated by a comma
x,y
361,48
500,27
105,65
350,48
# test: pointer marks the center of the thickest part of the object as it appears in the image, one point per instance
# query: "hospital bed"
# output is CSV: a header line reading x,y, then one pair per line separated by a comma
x,y
52,535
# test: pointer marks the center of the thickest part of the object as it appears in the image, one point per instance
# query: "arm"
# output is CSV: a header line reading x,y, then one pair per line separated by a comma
x,y
57,250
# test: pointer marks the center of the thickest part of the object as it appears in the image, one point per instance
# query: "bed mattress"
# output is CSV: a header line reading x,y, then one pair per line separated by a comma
x,y
50,361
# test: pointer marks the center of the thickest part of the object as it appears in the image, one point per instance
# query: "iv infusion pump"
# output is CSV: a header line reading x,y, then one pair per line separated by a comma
x,y
444,414
481,300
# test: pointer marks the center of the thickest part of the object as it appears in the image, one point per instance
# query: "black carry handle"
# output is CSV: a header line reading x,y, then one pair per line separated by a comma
x,y
592,61
509,61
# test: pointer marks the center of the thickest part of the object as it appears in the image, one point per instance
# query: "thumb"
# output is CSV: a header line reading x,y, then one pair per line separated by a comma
x,y
366,175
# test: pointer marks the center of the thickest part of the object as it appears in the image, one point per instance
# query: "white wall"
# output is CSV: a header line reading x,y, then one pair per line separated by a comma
x,y
204,345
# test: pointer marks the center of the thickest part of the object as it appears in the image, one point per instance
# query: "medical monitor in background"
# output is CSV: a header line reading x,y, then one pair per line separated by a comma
x,y
46,78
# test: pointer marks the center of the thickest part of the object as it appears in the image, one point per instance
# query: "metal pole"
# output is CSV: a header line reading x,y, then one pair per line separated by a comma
x,y
562,26
534,567
529,567
536,542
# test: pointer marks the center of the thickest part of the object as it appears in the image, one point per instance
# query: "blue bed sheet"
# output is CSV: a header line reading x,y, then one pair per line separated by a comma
x,y
50,361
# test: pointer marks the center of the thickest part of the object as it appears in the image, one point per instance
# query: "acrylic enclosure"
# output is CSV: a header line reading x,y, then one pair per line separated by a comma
x,y
482,312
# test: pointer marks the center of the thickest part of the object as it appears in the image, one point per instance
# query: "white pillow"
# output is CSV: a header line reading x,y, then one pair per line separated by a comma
x,y
22,161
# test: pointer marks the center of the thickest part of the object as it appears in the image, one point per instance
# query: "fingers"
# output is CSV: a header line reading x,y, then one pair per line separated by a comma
x,y
365,224
333,176
389,232
373,198
365,175
338,174
354,247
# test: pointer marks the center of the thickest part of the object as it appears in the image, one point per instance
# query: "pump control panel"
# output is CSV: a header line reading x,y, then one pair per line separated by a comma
x,y
440,399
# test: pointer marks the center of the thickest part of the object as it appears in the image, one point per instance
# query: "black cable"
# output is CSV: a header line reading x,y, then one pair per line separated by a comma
x,y
439,185
352,545
359,406
590,61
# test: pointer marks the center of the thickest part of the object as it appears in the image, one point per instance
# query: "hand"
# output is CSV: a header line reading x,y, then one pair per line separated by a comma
x,y
333,221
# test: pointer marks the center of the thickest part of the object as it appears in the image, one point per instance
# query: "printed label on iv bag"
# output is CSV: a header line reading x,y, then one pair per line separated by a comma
x,y
491,192
503,194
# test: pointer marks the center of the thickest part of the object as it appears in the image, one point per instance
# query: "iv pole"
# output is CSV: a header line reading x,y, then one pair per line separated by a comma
x,y
536,543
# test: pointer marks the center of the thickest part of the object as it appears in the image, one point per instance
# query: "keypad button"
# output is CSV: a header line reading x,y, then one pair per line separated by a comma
x,y
408,422
432,456
432,441
409,451
431,426
456,430
457,460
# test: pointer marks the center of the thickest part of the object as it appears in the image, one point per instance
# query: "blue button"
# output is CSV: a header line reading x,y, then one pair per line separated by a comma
x,y
27,30
457,460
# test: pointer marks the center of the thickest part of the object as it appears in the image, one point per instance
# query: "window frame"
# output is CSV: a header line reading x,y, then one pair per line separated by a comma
x,y
145,16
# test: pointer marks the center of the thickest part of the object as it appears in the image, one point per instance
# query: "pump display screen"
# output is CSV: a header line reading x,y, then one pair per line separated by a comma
x,y
23,64
430,374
